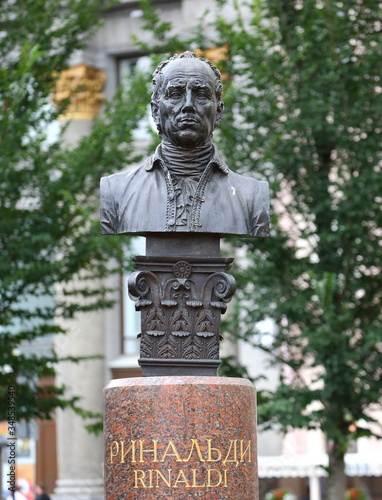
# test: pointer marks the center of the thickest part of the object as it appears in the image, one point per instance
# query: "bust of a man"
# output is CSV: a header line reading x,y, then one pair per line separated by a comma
x,y
185,186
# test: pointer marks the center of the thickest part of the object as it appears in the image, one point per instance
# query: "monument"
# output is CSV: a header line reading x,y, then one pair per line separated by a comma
x,y
182,432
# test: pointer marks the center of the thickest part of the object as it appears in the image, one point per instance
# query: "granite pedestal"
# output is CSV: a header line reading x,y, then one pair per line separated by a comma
x,y
180,438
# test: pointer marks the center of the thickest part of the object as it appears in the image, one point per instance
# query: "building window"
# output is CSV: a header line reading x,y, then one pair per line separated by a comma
x,y
126,69
128,65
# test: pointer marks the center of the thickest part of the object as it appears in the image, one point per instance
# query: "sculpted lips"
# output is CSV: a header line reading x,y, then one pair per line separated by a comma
x,y
187,120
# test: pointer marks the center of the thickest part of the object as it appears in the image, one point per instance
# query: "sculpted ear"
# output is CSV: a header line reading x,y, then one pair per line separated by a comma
x,y
155,115
219,112
155,112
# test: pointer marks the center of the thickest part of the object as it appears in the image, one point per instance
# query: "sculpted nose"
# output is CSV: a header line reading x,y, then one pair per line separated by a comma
x,y
188,104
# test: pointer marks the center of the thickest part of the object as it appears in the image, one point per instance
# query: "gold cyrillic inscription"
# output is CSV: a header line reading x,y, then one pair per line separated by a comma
x,y
232,453
194,445
154,450
243,451
211,450
173,454
237,453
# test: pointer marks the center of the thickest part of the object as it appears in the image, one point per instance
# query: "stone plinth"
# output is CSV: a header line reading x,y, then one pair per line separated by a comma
x,y
180,438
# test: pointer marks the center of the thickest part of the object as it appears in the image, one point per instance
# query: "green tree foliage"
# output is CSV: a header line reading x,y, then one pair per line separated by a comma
x,y
303,110
49,228
306,108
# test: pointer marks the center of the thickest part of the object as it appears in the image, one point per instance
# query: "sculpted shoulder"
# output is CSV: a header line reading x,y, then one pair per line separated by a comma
x,y
116,182
256,195
247,182
252,189
118,190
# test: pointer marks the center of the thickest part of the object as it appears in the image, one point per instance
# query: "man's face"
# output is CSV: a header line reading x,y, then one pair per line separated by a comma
x,y
187,110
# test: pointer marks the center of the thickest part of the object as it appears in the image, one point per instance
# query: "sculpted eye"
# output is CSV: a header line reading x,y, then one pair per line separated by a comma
x,y
203,94
174,94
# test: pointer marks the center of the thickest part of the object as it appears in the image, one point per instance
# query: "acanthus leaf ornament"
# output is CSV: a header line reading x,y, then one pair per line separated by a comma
x,y
181,303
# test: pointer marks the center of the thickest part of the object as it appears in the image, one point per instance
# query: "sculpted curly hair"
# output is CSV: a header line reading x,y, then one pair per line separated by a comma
x,y
158,75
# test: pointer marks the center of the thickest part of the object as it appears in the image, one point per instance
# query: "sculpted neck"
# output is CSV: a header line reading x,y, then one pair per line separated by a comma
x,y
186,162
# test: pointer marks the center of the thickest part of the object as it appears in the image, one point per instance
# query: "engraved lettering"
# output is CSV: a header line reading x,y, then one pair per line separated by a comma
x,y
244,452
210,450
114,445
154,451
141,478
181,479
234,450
225,478
173,454
195,445
150,478
159,474
209,478
239,451
124,454
153,478
194,480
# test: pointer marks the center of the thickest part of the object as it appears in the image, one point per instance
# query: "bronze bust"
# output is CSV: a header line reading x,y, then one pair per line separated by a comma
x,y
185,186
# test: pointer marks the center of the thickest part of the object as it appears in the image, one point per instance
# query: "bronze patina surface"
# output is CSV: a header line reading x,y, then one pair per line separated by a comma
x,y
185,186
183,199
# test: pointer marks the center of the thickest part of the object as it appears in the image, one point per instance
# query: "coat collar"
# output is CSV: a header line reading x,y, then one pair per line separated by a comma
x,y
156,160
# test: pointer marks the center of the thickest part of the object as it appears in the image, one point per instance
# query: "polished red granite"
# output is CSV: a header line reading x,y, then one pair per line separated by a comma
x,y
178,438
